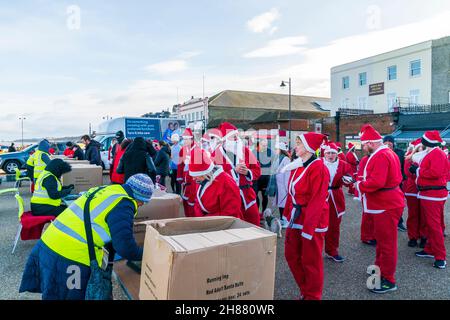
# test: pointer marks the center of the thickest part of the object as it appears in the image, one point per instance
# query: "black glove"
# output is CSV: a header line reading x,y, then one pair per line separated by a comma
x,y
413,168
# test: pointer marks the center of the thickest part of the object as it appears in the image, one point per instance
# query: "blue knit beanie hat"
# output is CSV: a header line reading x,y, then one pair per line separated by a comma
x,y
142,187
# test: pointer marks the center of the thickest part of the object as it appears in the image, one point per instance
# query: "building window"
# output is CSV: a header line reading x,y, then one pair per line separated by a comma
x,y
415,68
362,103
345,82
391,101
414,96
362,79
201,115
392,73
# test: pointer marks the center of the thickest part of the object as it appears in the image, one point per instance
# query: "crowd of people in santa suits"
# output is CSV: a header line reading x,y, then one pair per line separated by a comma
x,y
217,177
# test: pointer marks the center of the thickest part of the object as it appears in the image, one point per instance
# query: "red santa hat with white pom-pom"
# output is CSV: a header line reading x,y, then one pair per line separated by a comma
x,y
369,134
200,163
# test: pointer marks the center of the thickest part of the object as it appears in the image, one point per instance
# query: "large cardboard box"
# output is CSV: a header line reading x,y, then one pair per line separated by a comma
x,y
163,205
69,160
75,162
214,258
83,177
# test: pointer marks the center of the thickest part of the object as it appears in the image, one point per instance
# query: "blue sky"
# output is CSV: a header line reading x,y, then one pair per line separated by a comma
x,y
129,57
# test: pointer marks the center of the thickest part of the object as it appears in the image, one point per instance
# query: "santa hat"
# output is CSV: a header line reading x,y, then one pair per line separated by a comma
x,y
432,139
369,134
206,137
312,140
350,146
200,163
187,134
215,133
227,130
415,143
330,147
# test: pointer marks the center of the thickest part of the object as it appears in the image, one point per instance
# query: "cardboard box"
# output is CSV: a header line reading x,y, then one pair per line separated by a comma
x,y
73,161
163,205
83,177
211,258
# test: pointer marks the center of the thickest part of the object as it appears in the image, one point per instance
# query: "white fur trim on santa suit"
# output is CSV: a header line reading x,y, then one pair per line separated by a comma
x,y
231,133
363,196
297,163
208,184
305,143
431,141
202,173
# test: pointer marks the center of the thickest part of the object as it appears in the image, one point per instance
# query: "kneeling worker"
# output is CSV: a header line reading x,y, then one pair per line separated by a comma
x,y
63,251
48,191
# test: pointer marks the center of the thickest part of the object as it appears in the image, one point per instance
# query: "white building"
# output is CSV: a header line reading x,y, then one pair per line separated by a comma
x,y
194,111
414,75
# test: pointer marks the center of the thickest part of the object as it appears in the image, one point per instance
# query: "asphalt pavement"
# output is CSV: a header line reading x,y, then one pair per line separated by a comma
x,y
416,278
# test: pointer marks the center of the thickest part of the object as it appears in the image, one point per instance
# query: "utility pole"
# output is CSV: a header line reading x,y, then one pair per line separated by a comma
x,y
22,118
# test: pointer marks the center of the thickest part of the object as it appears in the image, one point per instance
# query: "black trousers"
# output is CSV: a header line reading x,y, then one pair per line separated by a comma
x,y
46,210
260,186
174,184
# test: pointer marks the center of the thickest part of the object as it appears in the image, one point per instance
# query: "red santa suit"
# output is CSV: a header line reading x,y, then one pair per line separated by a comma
x,y
432,185
218,196
117,178
352,159
382,197
307,212
228,161
416,220
188,185
338,170
367,228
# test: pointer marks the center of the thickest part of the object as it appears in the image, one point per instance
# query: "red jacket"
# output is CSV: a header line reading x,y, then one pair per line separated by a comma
x,y
409,185
245,183
433,172
337,198
188,185
117,177
353,161
68,153
341,156
380,188
219,197
308,187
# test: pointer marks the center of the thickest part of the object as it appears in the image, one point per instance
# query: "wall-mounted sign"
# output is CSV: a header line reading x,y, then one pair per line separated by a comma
x,y
376,89
318,127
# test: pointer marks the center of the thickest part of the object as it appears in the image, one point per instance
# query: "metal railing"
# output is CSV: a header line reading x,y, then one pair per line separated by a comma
x,y
421,108
353,112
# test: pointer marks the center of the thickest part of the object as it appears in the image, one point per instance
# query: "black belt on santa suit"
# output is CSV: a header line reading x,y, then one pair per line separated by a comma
x,y
427,188
247,186
333,188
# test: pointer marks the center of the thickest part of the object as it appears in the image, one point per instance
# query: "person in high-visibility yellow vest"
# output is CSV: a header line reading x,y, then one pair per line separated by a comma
x,y
59,264
37,162
48,190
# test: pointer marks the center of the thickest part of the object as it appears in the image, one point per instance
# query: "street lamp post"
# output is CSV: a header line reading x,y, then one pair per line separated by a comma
x,y
283,84
22,118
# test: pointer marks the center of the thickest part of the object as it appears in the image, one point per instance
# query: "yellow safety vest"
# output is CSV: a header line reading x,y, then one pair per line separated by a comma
x,y
66,235
40,195
35,160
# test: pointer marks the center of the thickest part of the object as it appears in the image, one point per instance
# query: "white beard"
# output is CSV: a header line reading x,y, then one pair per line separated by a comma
x,y
418,157
235,147
332,168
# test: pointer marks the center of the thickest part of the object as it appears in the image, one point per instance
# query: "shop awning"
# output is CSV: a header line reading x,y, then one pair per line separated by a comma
x,y
406,136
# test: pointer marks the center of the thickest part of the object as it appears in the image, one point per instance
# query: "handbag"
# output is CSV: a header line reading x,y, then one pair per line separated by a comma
x,y
99,286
